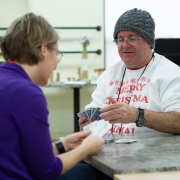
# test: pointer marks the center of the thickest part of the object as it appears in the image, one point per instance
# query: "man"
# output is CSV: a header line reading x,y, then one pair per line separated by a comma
x,y
143,90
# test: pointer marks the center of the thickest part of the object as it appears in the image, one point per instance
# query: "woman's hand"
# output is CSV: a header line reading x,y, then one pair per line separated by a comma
x,y
73,140
93,145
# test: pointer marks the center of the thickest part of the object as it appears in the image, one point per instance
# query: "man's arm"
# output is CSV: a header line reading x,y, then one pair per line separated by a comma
x,y
167,122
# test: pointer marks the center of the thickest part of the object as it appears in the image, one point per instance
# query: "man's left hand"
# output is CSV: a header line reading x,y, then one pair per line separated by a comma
x,y
119,112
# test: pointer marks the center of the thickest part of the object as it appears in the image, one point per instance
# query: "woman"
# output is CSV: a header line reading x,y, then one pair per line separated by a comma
x,y
30,48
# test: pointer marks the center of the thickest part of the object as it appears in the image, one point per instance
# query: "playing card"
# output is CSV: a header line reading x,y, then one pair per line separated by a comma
x,y
95,114
93,125
82,113
98,128
125,141
90,113
101,128
104,129
90,126
86,128
79,114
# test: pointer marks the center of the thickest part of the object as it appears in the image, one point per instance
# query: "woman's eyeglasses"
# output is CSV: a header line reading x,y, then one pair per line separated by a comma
x,y
59,54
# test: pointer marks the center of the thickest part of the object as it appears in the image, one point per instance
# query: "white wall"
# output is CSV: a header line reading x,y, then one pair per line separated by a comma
x,y
76,13
11,9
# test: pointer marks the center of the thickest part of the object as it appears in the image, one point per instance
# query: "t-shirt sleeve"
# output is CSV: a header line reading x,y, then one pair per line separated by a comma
x,y
170,96
99,94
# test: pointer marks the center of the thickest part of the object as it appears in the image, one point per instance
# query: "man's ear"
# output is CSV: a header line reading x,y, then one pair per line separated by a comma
x,y
150,46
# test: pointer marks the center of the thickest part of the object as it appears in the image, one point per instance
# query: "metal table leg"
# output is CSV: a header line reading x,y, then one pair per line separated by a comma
x,y
76,108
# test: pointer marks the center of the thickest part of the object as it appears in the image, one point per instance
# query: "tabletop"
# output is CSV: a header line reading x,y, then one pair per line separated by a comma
x,y
153,152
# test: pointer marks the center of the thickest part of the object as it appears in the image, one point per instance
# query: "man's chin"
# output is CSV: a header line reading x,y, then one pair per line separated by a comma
x,y
128,61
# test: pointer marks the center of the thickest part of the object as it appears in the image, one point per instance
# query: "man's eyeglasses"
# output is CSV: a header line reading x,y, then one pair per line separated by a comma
x,y
129,41
59,54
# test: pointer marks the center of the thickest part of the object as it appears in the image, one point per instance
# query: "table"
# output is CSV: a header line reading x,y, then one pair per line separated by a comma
x,y
174,175
153,152
76,98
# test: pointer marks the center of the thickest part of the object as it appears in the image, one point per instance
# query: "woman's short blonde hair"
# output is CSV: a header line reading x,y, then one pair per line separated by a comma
x,y
24,38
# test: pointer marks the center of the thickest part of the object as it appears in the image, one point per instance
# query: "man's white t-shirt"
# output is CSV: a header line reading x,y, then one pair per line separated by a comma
x,y
157,89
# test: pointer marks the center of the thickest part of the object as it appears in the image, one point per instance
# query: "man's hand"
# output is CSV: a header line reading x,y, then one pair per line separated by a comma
x,y
83,122
119,112
73,140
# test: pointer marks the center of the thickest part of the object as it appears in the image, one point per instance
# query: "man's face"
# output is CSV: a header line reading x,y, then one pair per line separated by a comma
x,y
133,49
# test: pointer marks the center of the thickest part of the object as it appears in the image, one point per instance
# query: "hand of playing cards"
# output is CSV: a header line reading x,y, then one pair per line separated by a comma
x,y
98,127
91,113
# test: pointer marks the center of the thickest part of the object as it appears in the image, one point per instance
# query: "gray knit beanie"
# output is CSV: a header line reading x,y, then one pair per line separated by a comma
x,y
139,22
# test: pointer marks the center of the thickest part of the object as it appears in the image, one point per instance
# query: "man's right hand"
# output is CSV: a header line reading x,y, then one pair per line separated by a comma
x,y
83,122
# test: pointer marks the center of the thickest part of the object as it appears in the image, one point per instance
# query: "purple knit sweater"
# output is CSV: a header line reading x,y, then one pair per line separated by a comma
x,y
25,142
